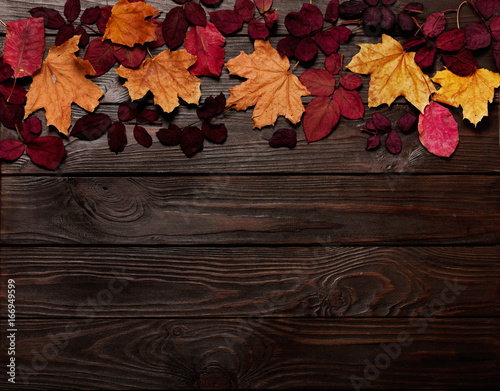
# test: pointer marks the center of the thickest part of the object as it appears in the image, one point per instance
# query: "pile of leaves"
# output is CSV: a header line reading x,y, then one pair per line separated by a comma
x,y
128,31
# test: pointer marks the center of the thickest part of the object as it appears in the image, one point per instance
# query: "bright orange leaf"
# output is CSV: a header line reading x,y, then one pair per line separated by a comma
x,y
166,76
60,82
393,73
270,87
127,24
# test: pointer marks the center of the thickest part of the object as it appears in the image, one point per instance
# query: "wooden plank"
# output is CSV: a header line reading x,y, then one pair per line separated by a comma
x,y
257,353
387,209
319,281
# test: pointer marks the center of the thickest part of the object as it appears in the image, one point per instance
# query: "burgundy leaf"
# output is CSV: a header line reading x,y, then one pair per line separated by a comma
x,y
31,129
477,36
52,19
424,57
65,32
495,28
306,50
207,43
373,142
333,63
128,110
211,2
434,24
372,16
371,3
13,93
11,149
319,82
496,55
181,1
414,42
371,127
283,138
438,130
84,36
351,9
47,151
175,27
313,15
487,7
101,55
160,41
451,40
91,126
90,15
257,30
407,122
191,140
263,5
6,71
406,23
332,11
350,81
393,142
462,63
388,18
381,123
142,136
297,24
72,9
147,115
170,136
287,46
130,57
10,115
105,13
270,18
195,14
388,2
340,33
226,21
414,7
321,116
326,42
246,9
212,107
216,133
117,137
349,102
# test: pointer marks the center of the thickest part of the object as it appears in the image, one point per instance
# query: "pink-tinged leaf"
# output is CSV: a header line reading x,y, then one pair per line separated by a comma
x,y
142,136
388,18
207,43
13,93
487,7
11,149
191,140
101,54
332,11
477,36
283,138
438,130
175,27
170,136
72,9
10,115
103,18
414,7
321,116
333,63
117,137
226,21
65,32
211,2
160,41
245,8
47,151
24,46
128,110
373,142
352,9
350,81
314,15
319,82
212,107
381,123
496,55
257,30
349,102
195,14
372,16
31,129
287,46
451,40
370,127
297,24
495,28
91,126
406,23
84,36
215,133
306,50
52,19
462,63
340,33
6,71
434,25
270,18
90,15
407,122
147,115
326,42
413,42
263,5
393,142
130,57
424,57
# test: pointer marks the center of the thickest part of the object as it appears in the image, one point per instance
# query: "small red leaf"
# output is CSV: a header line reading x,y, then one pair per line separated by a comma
x,y
393,142
413,42
495,28
372,16
103,18
101,55
31,129
72,9
91,126
216,133
10,115
174,27
191,140
160,41
245,8
65,32
340,33
349,102
210,2
287,46
142,136
381,123
257,30
350,81
195,14
11,149
90,15
388,18
438,130
351,9
477,36
207,43
406,22
170,136
332,11
212,107
451,40
314,15
13,93
226,21
283,138
129,57
319,82
487,7
424,57
270,18
52,19
434,24
333,63
414,7
407,122
306,50
462,63
321,116
373,142
84,36
147,115
47,151
326,42
128,110
263,5
6,71
297,24
117,137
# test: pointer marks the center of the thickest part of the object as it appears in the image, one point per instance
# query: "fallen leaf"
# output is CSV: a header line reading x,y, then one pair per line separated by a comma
x,y
101,54
191,140
195,14
471,92
13,93
11,149
148,115
246,9
463,63
142,136
52,19
212,107
128,110
174,27
322,115
72,9
91,126
393,73
263,5
216,133
333,63
171,69
381,123
46,151
349,102
257,30
207,44
283,138
170,136
226,21
319,82
65,33
393,142
105,14
31,129
10,115
373,142
90,15
117,137
438,130
407,122
130,57
270,87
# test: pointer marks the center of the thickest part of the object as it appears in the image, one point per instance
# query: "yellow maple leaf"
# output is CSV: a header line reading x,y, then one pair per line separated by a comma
x,y
270,87
166,76
61,81
127,24
472,92
393,73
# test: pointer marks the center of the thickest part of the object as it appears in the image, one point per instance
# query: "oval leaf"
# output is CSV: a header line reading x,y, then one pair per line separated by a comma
x,y
283,138
117,137
350,103
142,136
438,130
322,115
319,82
91,126
207,44
46,151
11,149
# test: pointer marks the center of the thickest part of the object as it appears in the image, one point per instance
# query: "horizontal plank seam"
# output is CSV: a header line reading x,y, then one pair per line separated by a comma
x,y
440,317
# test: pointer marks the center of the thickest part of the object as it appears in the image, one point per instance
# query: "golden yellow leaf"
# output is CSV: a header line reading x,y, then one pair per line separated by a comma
x,y
60,82
127,24
166,76
472,92
270,87
393,73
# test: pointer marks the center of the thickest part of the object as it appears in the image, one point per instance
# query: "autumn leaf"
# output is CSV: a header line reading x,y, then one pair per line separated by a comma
x,y
270,87
472,92
207,43
60,82
171,69
128,25
393,73
438,130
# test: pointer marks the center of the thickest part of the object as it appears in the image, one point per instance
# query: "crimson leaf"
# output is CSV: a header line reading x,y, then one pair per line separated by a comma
x,y
52,19
46,151
72,9
117,137
170,136
142,136
191,140
11,149
226,21
216,133
319,82
91,126
283,138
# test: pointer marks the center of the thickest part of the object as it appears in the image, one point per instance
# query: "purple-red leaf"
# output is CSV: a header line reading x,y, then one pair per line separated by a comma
x,y
434,24
128,110
52,19
257,30
147,115
477,36
496,55
46,151
160,41
210,2
407,122
191,140
297,24
332,11
65,32
175,27
314,15
101,55
216,133
340,33
263,5
72,9
84,36
451,40
13,93
6,71
212,107
381,123
306,50
388,18
487,7
495,28
406,22
414,7
388,2
117,137
90,15
195,14
270,18
102,21
373,142
91,126
319,82
393,142
351,9
333,63
462,63
438,130
372,16
226,21
130,57
349,102
283,138
326,42
207,43
170,136
424,57
10,115
11,149
350,81
321,116
413,42
287,46
31,129
142,136
246,9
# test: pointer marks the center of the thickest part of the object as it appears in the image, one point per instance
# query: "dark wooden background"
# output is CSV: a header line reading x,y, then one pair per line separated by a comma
x,y
249,267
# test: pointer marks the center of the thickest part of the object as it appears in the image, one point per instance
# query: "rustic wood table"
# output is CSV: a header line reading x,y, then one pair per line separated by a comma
x,y
323,266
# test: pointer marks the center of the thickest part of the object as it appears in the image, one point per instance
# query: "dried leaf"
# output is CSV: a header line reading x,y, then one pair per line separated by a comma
x,y
65,32
332,11
322,115
393,142
84,36
191,140
130,57
477,36
47,151
246,9
350,81
487,7
11,149
270,18
195,14
407,122
72,9
373,142
349,102
406,23
142,136
438,130
372,16
319,82
6,71
424,57
314,15
117,137
31,129
340,33
283,138
434,24
226,21
462,63
381,123
297,24
170,136
351,9
216,133
174,27
388,18
102,22
212,107
326,42
52,19
286,46
306,49
451,40
257,30
207,44
128,110
333,63
160,41
10,115
90,15
101,54
148,115
263,5
91,126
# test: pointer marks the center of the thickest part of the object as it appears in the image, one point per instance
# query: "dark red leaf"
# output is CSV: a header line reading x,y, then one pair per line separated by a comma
x,y
477,36
319,82
373,142
65,32
246,9
352,9
287,46
381,123
160,41
340,33
181,1
91,126
207,43
333,63
103,18
496,55
388,18
388,2
314,15
142,136
170,136
306,50
406,23
226,21
263,5
211,2
407,122
283,138
212,107
393,142
31,129
326,42
195,14
350,81
10,115
349,102
90,15
270,18
371,127
434,24
462,63
47,151
297,24
495,28
257,30
13,92
414,42
372,16
332,11
191,140
175,27
11,149
414,7
101,55
424,57
487,7
130,57
128,110
72,9
52,19
321,116
84,36
147,115
216,133
6,71
371,3
451,40
117,137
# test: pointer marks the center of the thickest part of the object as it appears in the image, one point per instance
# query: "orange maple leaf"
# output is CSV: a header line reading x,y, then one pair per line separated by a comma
x,y
127,24
166,76
393,73
270,87
61,81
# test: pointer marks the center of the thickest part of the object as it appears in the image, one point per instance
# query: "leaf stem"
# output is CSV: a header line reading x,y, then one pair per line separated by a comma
x,y
19,134
295,66
149,53
12,91
1,21
458,12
